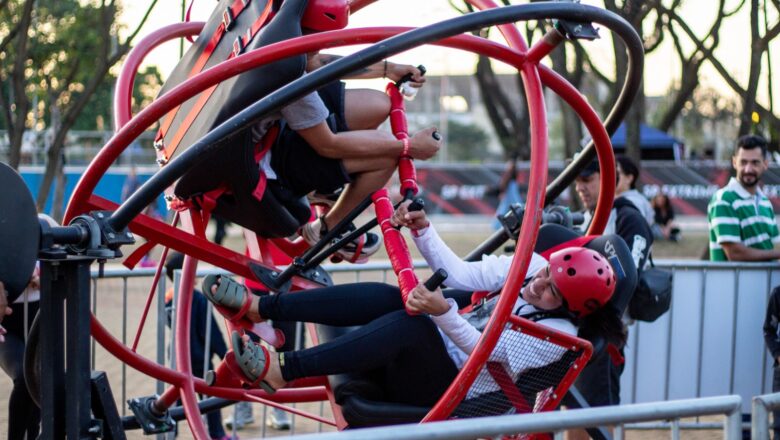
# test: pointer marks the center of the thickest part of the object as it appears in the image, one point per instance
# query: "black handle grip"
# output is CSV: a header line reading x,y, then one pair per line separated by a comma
x,y
408,76
436,279
417,204
436,135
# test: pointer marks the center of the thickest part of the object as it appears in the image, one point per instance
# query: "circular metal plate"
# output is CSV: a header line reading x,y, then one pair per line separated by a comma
x,y
19,232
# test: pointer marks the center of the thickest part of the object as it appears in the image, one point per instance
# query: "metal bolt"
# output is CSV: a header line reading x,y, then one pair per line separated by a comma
x,y
111,235
316,273
274,274
129,235
150,426
169,198
578,29
162,162
99,215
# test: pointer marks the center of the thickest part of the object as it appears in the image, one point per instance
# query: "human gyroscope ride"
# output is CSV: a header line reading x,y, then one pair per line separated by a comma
x,y
246,63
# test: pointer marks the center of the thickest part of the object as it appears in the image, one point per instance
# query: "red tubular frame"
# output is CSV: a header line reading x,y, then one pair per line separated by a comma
x,y
123,94
203,250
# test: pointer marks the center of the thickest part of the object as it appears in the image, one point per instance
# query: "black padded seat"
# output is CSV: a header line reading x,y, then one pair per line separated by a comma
x,y
360,400
279,213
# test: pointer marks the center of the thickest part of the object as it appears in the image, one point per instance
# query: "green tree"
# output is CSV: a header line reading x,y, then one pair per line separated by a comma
x,y
466,142
60,51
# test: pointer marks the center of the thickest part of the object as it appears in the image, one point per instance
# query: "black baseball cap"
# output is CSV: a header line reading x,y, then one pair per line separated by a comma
x,y
592,167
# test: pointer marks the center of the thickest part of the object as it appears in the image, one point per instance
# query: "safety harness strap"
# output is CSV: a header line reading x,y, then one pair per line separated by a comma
x,y
165,152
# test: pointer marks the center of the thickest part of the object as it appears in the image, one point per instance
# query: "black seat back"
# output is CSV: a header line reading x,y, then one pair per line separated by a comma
x,y
234,166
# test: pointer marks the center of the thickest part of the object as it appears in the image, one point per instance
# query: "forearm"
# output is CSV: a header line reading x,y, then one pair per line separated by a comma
x,y
740,252
486,274
376,70
460,332
358,144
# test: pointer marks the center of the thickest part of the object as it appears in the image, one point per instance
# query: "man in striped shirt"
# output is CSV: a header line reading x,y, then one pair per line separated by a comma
x,y
741,219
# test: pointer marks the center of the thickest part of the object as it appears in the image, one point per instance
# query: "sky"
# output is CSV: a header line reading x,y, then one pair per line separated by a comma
x,y
662,66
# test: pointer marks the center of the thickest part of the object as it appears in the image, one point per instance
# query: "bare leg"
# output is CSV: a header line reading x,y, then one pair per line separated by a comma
x,y
365,109
368,176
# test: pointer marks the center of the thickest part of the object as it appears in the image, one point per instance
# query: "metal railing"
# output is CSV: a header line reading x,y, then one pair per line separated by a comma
x,y
762,405
496,426
680,356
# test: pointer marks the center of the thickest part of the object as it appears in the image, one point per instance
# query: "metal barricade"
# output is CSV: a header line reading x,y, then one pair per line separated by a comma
x,y
709,344
493,427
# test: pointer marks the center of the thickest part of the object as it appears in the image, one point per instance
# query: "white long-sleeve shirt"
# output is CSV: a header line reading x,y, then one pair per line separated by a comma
x,y
460,337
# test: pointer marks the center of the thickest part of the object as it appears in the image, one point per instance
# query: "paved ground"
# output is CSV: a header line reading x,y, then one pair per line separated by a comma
x,y
463,236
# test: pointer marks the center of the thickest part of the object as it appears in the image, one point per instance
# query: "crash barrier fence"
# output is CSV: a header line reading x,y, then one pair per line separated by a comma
x,y
710,343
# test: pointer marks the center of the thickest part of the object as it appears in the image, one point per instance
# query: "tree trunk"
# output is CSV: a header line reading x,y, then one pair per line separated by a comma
x,y
54,156
756,53
18,82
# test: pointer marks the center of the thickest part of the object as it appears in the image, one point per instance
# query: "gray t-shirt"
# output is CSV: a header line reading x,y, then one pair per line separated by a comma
x,y
301,114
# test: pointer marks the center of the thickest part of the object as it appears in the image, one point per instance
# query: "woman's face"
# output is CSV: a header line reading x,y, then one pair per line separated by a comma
x,y
624,181
541,292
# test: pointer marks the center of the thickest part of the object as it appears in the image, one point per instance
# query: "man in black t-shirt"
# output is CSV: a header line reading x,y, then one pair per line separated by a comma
x,y
599,382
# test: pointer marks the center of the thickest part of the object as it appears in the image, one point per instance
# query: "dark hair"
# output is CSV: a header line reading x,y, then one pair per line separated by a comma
x,y
174,261
604,323
666,204
751,141
629,167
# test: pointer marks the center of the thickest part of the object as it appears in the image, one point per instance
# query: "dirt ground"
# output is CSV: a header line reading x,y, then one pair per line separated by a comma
x,y
109,304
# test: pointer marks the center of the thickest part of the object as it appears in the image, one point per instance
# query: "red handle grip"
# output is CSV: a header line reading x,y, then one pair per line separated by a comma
x,y
395,244
407,174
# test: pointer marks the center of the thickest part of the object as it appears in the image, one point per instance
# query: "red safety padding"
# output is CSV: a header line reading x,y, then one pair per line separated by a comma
x,y
395,244
407,174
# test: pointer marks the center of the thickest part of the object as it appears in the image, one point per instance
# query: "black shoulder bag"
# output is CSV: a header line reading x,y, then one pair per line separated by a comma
x,y
653,295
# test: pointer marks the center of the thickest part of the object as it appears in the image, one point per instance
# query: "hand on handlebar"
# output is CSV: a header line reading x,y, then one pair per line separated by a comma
x,y
395,72
425,144
422,300
414,220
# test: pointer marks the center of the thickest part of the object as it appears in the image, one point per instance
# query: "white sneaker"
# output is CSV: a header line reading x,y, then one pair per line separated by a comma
x,y
278,419
241,416
356,251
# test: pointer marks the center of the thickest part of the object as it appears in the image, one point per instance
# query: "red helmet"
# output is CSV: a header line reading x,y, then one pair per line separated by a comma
x,y
584,277
326,15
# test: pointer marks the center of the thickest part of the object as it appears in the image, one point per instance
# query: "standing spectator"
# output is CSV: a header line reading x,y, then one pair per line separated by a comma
x,y
5,309
772,339
508,190
599,381
664,226
741,219
628,176
24,416
200,353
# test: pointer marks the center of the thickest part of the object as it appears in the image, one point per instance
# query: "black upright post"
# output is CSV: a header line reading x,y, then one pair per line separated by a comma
x,y
65,392
53,356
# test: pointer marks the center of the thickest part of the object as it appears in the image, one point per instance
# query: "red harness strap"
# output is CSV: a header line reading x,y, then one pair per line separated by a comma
x,y
508,387
165,152
261,149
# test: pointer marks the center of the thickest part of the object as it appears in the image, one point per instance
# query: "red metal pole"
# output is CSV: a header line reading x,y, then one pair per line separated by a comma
x,y
123,94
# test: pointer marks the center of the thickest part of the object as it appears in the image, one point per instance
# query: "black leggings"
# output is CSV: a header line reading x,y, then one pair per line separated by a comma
x,y
406,351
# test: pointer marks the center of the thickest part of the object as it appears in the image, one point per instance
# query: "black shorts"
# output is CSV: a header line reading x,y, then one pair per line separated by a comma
x,y
599,382
301,169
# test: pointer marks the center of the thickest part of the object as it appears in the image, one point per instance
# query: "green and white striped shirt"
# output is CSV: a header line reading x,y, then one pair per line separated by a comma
x,y
736,216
